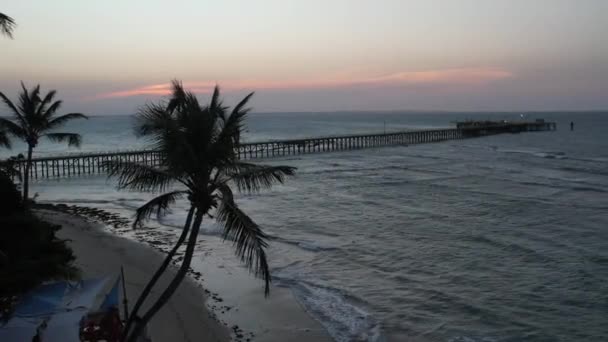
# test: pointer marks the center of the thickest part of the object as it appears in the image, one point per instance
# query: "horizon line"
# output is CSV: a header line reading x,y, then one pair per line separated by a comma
x,y
409,111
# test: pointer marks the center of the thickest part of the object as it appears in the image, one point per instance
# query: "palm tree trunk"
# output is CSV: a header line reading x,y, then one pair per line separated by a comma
x,y
26,176
179,277
159,272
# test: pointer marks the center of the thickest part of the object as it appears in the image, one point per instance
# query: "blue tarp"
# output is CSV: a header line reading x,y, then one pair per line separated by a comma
x,y
111,299
43,300
60,304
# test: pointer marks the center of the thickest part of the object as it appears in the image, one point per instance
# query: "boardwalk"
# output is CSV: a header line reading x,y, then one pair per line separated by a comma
x,y
92,163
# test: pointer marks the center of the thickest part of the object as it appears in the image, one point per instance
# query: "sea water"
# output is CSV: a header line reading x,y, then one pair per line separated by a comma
x,y
501,238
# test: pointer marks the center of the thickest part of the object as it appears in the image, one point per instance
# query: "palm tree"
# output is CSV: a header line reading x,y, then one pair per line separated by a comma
x,y
7,24
198,161
33,118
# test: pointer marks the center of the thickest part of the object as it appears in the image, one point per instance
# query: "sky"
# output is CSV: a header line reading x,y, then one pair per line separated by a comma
x,y
110,57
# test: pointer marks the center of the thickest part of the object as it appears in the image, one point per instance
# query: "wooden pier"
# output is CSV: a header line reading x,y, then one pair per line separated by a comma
x,y
92,163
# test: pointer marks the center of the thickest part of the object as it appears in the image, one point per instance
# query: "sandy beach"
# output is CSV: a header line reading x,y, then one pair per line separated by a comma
x,y
98,253
190,315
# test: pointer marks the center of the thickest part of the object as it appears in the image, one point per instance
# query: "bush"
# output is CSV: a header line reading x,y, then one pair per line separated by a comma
x,y
31,253
10,196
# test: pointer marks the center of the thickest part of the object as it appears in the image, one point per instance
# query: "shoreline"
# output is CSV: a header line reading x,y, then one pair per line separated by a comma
x,y
232,301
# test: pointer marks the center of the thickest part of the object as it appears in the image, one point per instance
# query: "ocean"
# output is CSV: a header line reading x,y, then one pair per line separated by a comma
x,y
501,238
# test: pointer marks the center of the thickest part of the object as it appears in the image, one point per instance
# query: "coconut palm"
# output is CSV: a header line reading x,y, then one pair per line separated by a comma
x,y
198,162
7,24
33,118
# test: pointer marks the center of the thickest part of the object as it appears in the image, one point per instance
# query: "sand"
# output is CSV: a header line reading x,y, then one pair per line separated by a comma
x,y
98,253
190,315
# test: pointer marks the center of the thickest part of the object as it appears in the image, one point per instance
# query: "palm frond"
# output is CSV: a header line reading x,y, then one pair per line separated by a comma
x,y
233,126
73,139
7,25
45,102
152,119
178,95
140,177
158,206
9,103
16,113
4,140
215,98
61,120
35,94
165,133
235,123
248,238
29,102
12,128
50,112
188,146
216,106
240,107
253,177
227,139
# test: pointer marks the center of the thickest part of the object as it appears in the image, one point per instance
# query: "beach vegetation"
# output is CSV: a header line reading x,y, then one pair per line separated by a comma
x,y
10,196
198,163
30,253
7,25
34,117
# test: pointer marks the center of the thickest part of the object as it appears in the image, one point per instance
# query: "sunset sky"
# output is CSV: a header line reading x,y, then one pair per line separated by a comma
x,y
109,57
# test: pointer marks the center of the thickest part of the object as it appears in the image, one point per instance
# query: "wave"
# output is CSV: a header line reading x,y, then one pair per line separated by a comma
x,y
591,159
334,169
550,155
580,187
78,200
471,339
340,313
304,244
591,171
540,154
209,227
588,189
510,246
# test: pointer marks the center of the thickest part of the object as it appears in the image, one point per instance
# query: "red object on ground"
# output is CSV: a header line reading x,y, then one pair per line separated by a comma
x,y
105,325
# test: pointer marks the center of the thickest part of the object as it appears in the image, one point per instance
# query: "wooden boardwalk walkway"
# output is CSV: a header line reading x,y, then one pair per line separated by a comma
x,y
92,163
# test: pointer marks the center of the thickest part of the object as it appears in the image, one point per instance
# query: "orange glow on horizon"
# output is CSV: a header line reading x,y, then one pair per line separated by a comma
x,y
463,76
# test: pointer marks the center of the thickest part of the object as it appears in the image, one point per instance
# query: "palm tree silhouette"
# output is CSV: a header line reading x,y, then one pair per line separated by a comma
x,y
7,24
198,162
34,118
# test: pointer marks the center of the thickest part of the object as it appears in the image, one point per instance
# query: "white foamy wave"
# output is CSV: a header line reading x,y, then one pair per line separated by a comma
x,y
471,339
176,220
308,245
344,320
540,154
550,155
77,201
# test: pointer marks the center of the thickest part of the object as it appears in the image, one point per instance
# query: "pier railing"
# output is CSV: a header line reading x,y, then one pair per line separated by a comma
x,y
92,163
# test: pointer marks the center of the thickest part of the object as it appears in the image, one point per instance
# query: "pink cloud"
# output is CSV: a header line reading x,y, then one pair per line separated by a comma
x,y
462,76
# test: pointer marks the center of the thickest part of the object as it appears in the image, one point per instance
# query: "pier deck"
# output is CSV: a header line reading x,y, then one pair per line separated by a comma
x,y
92,163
